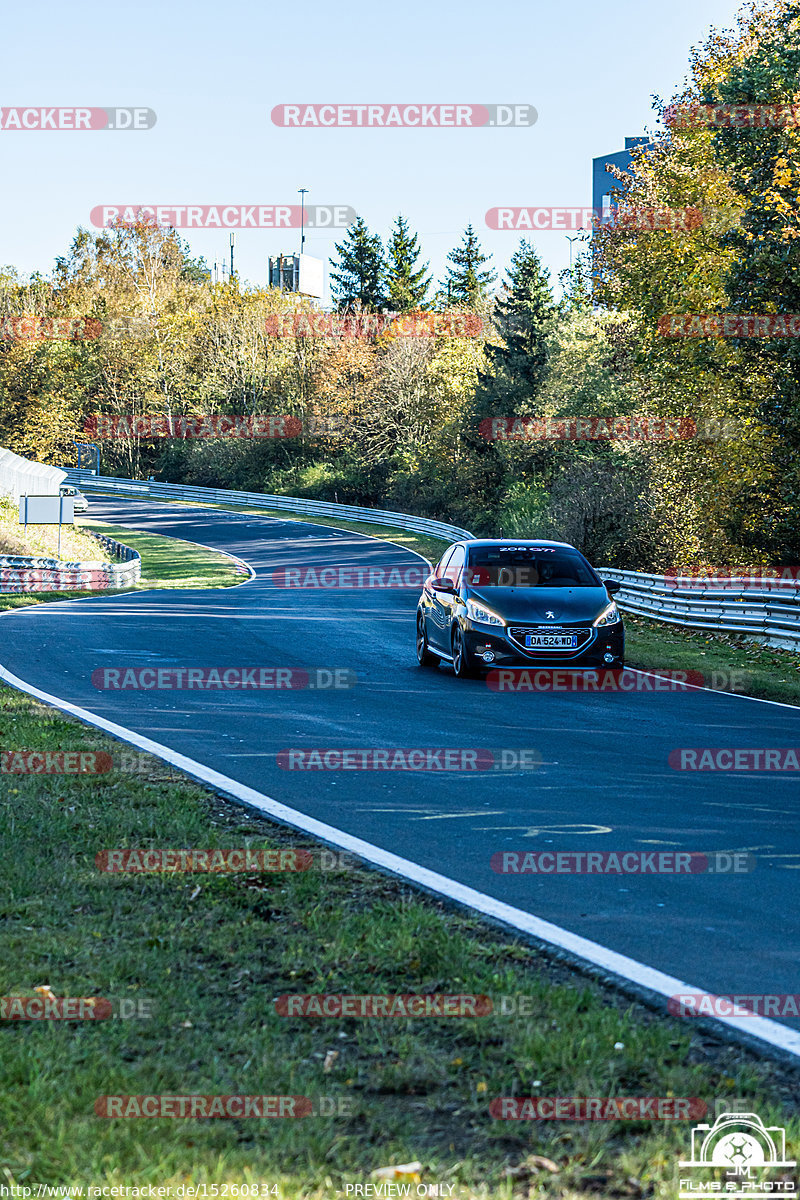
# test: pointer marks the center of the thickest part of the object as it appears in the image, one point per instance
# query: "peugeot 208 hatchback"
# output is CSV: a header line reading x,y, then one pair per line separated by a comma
x,y
517,603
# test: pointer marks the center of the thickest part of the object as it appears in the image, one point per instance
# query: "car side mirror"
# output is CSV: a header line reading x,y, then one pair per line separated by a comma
x,y
612,586
443,585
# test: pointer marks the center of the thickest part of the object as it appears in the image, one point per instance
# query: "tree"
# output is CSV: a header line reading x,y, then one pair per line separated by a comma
x,y
465,282
407,284
524,314
514,368
359,274
739,492
764,168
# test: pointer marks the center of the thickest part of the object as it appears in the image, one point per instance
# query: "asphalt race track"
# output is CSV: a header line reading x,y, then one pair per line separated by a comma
x,y
604,782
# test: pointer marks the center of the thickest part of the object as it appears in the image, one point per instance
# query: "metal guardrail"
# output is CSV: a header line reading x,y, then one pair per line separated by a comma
x,y
769,614
321,508
20,575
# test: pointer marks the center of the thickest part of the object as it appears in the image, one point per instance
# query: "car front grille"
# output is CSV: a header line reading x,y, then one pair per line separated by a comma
x,y
517,634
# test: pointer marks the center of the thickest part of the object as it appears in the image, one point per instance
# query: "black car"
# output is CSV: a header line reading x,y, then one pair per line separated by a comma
x,y
516,603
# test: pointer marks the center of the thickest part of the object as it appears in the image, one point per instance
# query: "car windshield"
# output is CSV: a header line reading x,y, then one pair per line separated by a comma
x,y
520,566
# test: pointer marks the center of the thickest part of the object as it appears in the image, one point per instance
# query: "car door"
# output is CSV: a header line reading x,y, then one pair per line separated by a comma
x,y
435,611
444,603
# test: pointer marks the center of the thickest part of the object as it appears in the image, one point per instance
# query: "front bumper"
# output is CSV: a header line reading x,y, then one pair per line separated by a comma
x,y
481,639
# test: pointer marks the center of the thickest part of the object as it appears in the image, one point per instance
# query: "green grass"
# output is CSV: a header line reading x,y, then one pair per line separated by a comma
x,y
169,562
42,541
210,953
729,663
166,563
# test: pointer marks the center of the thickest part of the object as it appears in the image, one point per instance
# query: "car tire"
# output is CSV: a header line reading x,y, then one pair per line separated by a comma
x,y
463,663
425,657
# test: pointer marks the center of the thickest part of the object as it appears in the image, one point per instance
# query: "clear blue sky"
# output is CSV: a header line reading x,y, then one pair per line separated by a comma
x,y
213,72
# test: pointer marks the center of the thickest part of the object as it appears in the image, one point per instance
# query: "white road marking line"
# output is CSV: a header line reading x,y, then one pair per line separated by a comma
x,y
762,1028
452,816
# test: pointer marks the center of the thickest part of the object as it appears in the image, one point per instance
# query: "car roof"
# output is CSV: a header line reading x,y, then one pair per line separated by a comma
x,y
515,542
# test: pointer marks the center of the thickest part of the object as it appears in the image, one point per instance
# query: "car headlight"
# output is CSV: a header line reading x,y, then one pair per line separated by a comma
x,y
482,614
609,616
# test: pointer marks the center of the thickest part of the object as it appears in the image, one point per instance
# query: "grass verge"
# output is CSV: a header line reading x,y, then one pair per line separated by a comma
x,y
43,541
166,563
208,954
729,663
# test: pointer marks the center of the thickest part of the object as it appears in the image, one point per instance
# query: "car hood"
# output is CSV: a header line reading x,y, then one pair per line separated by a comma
x,y
530,605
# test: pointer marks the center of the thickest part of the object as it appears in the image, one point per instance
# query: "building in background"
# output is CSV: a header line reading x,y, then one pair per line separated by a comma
x,y
603,183
300,273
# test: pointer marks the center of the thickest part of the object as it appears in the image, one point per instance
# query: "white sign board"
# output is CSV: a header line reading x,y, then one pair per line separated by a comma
x,y
47,510
311,281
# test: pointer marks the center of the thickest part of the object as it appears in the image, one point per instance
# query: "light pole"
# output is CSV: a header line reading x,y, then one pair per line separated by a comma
x,y
233,239
302,192
577,238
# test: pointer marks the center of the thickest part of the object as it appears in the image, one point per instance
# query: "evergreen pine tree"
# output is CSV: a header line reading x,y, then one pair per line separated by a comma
x,y
357,279
524,313
407,284
465,283
513,375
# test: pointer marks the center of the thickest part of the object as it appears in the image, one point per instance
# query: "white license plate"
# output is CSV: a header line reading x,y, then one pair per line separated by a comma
x,y
551,641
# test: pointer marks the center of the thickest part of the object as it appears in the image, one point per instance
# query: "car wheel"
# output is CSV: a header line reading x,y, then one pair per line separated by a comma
x,y
463,665
424,656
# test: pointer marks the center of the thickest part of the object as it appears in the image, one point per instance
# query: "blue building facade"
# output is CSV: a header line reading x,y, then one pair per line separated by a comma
x,y
602,182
